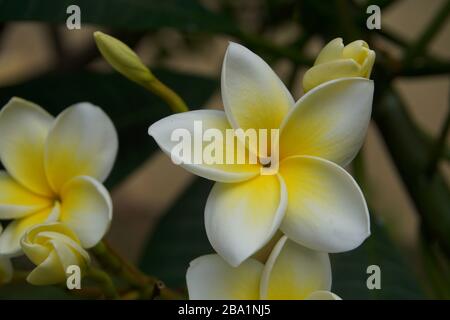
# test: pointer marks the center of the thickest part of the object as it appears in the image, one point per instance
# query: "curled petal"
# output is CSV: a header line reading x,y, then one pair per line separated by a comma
x,y
86,208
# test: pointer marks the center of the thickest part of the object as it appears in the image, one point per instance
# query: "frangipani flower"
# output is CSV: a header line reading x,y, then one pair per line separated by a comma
x,y
54,170
312,199
52,247
292,272
6,268
336,61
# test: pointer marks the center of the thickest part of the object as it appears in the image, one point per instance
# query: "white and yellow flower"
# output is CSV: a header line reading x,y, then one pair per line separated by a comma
x,y
292,272
6,268
54,170
53,247
338,61
312,199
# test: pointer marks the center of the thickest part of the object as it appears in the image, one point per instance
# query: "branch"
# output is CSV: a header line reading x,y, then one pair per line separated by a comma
x,y
428,34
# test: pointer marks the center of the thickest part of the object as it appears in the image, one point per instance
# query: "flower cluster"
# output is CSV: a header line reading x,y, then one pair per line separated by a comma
x,y
51,191
311,198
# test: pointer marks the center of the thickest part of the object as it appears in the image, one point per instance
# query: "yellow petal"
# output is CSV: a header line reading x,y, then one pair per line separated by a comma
x,y
329,121
324,72
326,209
6,270
240,218
23,130
331,51
253,95
16,201
224,171
209,277
49,272
10,238
86,208
83,141
293,272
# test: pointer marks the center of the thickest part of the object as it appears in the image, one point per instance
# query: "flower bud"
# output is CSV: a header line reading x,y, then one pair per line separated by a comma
x,y
52,247
122,58
336,61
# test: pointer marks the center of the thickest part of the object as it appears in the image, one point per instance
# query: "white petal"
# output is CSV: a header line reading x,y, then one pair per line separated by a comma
x,y
329,121
241,218
293,272
163,130
253,95
209,277
83,141
86,208
49,272
16,201
326,209
323,295
23,129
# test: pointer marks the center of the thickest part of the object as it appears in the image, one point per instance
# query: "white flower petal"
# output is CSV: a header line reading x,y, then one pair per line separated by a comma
x,y
209,277
241,218
253,95
323,295
83,141
23,129
16,201
86,208
293,272
48,272
330,121
326,209
163,130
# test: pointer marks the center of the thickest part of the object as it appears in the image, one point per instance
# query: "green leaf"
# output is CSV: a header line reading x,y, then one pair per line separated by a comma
x,y
186,15
131,107
349,270
179,238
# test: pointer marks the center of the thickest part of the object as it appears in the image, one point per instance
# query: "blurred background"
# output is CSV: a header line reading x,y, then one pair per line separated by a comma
x,y
403,167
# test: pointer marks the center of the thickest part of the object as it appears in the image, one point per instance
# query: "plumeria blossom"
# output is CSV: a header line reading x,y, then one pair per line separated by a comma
x,y
311,198
292,272
54,170
6,268
52,247
338,61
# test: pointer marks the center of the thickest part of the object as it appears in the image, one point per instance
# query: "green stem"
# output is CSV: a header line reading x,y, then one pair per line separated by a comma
x,y
106,284
428,34
175,102
148,287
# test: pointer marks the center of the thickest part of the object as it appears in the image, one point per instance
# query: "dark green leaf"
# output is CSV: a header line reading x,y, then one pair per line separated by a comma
x,y
349,270
186,15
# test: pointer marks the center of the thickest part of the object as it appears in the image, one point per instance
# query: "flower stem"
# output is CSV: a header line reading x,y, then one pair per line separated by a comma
x,y
147,286
175,102
105,281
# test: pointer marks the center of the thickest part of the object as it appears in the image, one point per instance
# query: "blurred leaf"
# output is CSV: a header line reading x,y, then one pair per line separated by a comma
x,y
179,238
131,107
186,15
349,270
